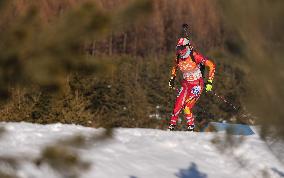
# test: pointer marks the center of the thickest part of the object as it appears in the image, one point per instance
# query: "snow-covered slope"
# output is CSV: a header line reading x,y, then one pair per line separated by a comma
x,y
143,153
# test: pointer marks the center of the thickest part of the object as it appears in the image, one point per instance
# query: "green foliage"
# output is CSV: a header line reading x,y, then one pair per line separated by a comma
x,y
136,93
120,98
109,67
229,84
37,59
54,80
20,106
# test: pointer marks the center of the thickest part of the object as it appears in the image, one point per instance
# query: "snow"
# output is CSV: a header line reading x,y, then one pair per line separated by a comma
x,y
142,153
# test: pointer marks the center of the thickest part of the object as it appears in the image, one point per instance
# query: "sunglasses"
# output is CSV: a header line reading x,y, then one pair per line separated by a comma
x,y
181,48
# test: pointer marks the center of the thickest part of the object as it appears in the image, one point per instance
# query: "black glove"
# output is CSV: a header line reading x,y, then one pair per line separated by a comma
x,y
172,82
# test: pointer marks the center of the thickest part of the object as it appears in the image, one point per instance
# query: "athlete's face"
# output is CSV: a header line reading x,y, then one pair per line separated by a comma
x,y
182,50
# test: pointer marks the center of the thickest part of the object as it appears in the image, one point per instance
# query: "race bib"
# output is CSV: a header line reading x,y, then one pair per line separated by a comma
x,y
196,90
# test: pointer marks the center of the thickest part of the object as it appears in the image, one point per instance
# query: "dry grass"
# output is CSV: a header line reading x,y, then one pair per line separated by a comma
x,y
259,25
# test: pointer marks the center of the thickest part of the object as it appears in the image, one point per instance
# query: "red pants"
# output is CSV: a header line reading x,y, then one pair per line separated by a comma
x,y
186,98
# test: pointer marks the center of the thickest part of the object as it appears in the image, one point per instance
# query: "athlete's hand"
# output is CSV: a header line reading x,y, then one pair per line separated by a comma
x,y
208,86
172,82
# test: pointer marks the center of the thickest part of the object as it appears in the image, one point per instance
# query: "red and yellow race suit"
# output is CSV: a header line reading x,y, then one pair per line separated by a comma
x,y
192,84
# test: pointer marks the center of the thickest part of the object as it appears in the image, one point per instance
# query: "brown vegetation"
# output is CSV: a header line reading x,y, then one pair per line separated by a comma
x,y
129,49
106,63
259,27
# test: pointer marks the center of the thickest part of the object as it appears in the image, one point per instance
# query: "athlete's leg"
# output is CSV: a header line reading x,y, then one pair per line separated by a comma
x,y
188,113
179,103
193,96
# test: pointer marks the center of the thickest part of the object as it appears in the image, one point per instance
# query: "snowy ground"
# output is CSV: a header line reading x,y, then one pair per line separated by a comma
x,y
143,153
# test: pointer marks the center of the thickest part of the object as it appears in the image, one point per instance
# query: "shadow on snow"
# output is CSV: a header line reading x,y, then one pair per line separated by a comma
x,y
280,173
191,172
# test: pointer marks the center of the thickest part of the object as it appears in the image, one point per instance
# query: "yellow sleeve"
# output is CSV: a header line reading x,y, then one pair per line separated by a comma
x,y
211,67
174,68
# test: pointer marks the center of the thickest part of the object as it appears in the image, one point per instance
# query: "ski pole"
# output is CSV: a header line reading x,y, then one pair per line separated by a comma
x,y
243,114
225,101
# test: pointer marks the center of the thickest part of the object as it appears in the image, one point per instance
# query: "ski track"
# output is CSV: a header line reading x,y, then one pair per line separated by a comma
x,y
143,153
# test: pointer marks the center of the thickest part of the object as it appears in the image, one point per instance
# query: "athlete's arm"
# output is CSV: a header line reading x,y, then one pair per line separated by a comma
x,y
174,68
173,74
211,67
208,63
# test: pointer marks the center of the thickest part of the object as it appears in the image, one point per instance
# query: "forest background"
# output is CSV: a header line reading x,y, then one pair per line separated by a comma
x,y
106,63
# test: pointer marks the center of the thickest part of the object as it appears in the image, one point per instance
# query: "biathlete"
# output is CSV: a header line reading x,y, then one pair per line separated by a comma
x,y
189,62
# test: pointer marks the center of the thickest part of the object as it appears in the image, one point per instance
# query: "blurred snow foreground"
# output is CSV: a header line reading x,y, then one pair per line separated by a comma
x,y
133,153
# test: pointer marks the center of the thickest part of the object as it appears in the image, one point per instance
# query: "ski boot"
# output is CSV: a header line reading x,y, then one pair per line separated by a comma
x,y
171,127
190,128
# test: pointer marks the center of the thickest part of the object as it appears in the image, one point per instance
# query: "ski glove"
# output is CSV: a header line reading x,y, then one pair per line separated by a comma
x,y
172,82
208,86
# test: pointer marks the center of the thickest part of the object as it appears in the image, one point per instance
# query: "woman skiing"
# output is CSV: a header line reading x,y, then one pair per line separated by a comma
x,y
189,62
